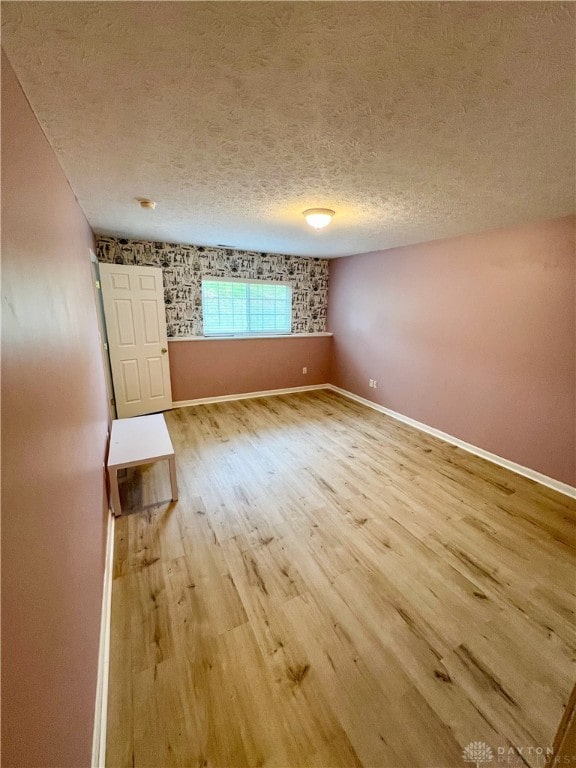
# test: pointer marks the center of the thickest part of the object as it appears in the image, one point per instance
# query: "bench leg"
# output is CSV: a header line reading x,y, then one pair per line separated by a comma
x,y
173,481
114,493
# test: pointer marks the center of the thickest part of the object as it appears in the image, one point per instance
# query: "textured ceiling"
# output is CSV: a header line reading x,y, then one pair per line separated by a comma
x,y
414,121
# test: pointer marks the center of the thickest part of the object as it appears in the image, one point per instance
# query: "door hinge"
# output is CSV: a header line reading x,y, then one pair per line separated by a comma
x,y
105,346
98,284
112,401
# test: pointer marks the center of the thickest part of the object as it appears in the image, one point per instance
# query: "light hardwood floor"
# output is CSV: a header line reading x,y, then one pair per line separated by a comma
x,y
335,589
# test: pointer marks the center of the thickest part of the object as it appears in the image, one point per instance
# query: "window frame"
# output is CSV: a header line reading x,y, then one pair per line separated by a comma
x,y
246,281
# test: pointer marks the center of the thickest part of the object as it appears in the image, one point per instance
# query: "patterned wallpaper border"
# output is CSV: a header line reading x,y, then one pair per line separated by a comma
x,y
184,266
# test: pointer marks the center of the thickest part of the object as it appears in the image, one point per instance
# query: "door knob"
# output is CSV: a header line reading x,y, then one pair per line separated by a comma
x,y
163,350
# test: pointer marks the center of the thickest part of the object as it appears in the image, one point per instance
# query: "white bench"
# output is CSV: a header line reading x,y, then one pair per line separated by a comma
x,y
135,441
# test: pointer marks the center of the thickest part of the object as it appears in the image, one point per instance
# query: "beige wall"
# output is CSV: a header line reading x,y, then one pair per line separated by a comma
x,y
474,336
230,366
54,424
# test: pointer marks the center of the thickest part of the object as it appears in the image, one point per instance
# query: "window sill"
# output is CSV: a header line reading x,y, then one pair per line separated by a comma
x,y
241,338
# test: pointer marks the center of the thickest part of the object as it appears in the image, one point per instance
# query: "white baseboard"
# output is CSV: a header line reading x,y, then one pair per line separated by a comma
x,y
519,469
101,709
247,395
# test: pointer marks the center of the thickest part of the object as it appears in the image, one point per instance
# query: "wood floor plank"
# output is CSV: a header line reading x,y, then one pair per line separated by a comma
x,y
120,716
335,589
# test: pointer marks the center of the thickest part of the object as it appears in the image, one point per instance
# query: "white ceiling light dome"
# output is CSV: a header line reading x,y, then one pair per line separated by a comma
x,y
318,217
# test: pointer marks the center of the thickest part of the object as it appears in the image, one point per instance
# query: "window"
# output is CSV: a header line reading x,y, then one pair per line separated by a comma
x,y
245,307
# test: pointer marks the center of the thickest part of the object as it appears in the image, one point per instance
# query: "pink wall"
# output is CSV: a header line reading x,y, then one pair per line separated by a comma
x,y
224,367
474,336
54,424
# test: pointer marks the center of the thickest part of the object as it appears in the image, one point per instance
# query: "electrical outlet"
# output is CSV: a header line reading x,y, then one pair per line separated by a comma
x,y
304,370
371,382
375,385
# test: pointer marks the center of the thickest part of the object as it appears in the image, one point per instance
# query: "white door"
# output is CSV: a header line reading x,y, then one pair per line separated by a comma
x,y
136,326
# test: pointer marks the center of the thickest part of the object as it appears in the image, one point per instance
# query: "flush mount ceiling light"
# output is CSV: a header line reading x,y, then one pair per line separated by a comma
x,y
146,203
318,217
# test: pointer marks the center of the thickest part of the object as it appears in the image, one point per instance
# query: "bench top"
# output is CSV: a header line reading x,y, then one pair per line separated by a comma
x,y
139,440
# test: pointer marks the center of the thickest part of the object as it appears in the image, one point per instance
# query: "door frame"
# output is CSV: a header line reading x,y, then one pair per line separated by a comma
x,y
97,288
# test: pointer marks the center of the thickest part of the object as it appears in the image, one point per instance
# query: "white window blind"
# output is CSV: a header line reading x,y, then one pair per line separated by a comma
x,y
245,307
